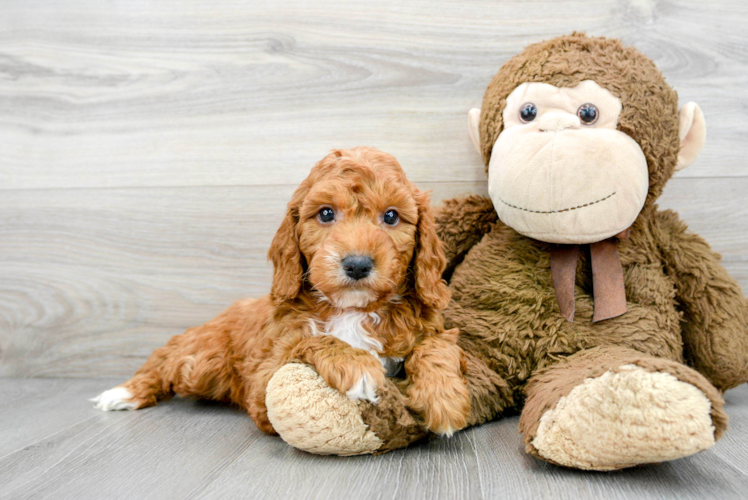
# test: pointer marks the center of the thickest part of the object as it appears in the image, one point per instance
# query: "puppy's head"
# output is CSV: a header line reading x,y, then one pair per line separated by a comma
x,y
357,231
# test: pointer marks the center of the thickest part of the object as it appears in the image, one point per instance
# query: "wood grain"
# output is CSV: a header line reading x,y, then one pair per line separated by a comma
x,y
147,150
54,444
245,93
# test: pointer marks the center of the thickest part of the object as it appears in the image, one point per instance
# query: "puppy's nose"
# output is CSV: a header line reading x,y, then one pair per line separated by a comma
x,y
357,266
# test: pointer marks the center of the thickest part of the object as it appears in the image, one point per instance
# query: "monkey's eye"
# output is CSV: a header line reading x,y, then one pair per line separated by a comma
x,y
326,214
588,113
528,112
390,217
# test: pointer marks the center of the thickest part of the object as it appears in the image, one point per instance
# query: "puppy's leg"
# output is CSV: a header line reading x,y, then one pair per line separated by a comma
x,y
435,386
195,363
191,364
147,387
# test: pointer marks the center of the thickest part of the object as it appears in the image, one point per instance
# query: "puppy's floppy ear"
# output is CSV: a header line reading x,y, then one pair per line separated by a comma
x,y
285,254
429,260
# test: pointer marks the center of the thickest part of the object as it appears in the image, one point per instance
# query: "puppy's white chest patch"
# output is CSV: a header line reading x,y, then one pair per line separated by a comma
x,y
349,327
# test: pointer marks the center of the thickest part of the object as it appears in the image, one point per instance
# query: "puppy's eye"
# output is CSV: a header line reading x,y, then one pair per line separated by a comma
x,y
588,113
390,217
326,214
528,112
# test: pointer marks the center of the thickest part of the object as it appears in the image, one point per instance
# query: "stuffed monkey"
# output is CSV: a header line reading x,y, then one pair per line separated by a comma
x,y
601,318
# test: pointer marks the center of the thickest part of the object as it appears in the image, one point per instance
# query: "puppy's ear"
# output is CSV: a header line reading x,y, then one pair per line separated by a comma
x,y
285,254
429,259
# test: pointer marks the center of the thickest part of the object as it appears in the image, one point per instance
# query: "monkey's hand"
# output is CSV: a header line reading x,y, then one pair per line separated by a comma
x,y
715,312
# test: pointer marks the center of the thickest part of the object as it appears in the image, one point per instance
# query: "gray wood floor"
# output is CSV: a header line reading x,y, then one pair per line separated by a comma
x,y
147,151
53,444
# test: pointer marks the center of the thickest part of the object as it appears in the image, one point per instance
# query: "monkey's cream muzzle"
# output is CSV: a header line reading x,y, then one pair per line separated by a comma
x,y
558,180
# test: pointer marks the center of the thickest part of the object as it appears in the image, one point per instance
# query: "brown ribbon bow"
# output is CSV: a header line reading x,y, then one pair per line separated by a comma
x,y
607,277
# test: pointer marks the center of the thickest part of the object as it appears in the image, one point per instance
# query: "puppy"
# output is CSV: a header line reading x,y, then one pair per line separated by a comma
x,y
357,294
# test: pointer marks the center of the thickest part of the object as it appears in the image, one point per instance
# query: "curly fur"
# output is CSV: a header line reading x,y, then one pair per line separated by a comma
x,y
394,312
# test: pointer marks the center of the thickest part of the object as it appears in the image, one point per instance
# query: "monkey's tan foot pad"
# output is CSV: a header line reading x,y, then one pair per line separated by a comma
x,y
311,416
626,418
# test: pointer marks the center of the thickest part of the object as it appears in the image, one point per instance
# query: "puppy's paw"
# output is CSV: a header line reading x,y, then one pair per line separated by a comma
x,y
365,388
118,398
447,416
444,405
358,376
437,389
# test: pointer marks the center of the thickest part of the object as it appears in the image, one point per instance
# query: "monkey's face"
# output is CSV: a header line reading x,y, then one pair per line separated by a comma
x,y
560,171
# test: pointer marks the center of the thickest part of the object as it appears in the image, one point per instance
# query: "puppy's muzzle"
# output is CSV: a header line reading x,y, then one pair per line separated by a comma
x,y
357,267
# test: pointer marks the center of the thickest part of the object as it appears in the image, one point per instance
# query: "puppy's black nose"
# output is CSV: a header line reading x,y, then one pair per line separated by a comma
x,y
357,266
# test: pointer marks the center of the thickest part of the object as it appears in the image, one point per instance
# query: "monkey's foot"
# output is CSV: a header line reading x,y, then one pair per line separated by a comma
x,y
311,416
626,417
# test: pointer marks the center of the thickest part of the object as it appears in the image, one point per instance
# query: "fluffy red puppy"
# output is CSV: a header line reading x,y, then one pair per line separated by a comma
x,y
357,294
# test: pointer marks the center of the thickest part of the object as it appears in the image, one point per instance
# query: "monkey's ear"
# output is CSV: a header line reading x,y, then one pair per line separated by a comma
x,y
692,132
474,128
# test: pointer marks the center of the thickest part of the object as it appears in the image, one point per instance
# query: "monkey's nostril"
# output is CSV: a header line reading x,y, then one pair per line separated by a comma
x,y
357,266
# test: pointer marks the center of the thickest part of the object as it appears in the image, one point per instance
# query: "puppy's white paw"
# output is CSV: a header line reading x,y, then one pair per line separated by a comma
x,y
365,388
118,398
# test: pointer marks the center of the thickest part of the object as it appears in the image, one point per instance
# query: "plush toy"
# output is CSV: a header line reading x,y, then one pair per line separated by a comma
x,y
601,318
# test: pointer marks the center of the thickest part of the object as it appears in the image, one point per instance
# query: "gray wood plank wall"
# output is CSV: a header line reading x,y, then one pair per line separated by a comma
x,y
147,149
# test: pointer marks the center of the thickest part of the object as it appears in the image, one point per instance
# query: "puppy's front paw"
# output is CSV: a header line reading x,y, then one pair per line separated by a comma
x,y
443,405
448,414
365,388
358,377
118,398
437,389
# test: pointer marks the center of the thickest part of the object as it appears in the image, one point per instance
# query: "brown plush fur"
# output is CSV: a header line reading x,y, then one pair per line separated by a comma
x,y
391,420
683,308
233,357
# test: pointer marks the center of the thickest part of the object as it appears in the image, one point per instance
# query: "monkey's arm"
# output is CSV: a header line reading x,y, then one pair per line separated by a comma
x,y
461,223
715,312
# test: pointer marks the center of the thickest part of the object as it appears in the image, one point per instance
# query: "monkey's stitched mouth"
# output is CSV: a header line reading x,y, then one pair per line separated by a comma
x,y
556,211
